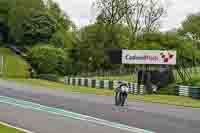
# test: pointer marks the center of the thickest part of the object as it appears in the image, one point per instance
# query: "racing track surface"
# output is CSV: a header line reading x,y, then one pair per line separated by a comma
x,y
152,117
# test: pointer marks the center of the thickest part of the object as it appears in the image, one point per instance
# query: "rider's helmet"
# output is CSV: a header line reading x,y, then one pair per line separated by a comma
x,y
123,86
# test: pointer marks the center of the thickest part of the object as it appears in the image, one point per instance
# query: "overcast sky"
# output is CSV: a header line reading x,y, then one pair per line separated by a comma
x,y
80,11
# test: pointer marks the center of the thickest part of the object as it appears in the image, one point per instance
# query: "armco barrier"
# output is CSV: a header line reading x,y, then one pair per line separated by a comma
x,y
189,91
104,84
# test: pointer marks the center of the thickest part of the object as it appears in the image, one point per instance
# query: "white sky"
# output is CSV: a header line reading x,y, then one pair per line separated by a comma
x,y
80,11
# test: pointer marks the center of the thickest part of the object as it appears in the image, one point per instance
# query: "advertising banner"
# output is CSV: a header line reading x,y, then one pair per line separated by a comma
x,y
149,57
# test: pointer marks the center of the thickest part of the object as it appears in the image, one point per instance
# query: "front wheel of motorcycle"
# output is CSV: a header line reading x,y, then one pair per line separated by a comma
x,y
123,99
117,98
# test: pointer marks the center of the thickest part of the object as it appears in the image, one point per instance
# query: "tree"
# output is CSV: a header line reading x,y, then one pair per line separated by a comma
x,y
63,37
4,11
111,11
155,10
4,20
18,11
144,16
64,22
38,27
139,15
110,14
94,39
191,26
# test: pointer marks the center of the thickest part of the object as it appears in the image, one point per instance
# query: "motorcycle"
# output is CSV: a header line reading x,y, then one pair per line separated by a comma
x,y
121,94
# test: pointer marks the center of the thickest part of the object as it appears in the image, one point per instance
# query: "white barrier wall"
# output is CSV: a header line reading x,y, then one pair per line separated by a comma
x,y
89,82
76,82
133,87
106,84
82,81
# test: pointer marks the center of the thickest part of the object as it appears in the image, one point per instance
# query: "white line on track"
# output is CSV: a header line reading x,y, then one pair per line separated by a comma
x,y
73,115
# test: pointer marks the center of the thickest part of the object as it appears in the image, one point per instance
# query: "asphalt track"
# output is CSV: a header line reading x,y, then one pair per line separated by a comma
x,y
151,117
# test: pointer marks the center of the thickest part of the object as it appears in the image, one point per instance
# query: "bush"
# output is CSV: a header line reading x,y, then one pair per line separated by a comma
x,y
48,59
50,77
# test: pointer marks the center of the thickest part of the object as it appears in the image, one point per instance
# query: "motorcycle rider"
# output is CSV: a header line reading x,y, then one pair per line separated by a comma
x,y
121,94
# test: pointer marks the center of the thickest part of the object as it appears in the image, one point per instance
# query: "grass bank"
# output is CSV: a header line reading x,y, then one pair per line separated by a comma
x,y
13,65
163,99
5,129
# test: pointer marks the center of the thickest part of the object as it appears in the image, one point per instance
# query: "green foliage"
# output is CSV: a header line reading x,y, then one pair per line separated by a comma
x,y
158,41
64,22
3,11
93,40
58,40
19,10
38,27
35,21
47,59
194,82
3,20
192,25
62,39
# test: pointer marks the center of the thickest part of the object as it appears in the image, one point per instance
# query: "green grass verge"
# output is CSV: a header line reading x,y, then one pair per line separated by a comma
x,y
14,66
163,99
4,129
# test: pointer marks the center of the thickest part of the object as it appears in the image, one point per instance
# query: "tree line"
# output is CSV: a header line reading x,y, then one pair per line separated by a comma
x,y
55,45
